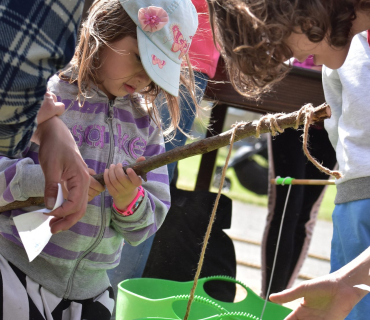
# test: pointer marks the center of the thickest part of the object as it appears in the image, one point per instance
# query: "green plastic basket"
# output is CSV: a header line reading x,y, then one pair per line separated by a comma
x,y
148,298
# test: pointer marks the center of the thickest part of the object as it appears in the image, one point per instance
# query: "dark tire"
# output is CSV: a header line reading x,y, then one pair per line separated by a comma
x,y
252,176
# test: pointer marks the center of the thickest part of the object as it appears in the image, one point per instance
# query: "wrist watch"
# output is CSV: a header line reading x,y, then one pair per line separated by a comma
x,y
132,207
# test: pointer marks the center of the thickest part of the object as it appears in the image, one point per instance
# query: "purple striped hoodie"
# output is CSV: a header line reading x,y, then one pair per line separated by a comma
x,y
73,264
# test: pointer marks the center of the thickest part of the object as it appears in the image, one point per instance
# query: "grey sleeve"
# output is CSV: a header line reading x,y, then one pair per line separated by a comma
x,y
20,179
333,96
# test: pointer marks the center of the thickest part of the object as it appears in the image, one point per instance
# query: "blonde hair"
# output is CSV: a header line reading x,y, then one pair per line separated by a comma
x,y
106,23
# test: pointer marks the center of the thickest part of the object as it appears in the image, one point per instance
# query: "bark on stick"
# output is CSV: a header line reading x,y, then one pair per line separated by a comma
x,y
200,147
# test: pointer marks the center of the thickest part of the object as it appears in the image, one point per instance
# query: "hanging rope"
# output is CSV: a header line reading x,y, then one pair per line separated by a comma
x,y
211,221
308,111
274,126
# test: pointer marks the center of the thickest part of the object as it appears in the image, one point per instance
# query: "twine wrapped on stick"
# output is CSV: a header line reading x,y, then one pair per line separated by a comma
x,y
242,130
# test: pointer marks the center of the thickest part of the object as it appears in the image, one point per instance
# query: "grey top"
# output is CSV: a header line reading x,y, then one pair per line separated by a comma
x,y
349,127
73,264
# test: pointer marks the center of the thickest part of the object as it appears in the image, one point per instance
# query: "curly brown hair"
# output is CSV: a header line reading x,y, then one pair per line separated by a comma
x,y
250,34
106,23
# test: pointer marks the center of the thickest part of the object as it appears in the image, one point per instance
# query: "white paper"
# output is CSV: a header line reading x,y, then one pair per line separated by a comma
x,y
363,287
33,228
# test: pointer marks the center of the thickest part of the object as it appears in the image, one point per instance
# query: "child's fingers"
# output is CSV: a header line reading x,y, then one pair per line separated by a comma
x,y
111,189
134,178
113,186
121,176
119,179
108,184
140,159
128,179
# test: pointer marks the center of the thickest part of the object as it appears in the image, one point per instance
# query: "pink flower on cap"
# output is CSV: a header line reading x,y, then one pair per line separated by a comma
x,y
152,18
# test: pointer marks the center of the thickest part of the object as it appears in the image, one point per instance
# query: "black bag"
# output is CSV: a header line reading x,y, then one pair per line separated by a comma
x,y
177,244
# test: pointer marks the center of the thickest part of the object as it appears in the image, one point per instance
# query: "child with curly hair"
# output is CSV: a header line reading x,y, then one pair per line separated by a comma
x,y
256,38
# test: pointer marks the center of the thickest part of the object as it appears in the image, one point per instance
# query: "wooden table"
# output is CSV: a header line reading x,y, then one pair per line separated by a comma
x,y
299,87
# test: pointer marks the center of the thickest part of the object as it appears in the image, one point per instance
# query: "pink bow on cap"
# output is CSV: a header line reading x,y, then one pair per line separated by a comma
x,y
152,18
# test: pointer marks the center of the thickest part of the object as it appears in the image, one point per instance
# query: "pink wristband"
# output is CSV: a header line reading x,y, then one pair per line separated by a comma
x,y
133,205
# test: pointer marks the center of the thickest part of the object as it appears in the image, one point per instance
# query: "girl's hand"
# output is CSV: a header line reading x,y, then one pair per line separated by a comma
x,y
95,188
121,186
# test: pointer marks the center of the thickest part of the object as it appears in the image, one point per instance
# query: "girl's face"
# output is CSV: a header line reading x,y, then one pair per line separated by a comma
x,y
121,71
322,52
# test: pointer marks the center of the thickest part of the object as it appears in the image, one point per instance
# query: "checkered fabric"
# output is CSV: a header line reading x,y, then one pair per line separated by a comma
x,y
38,37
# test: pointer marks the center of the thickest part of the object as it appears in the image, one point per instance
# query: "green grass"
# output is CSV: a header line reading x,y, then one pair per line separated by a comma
x,y
327,205
188,171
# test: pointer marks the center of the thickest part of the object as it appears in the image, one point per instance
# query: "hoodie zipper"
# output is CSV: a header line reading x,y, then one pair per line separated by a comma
x,y
99,238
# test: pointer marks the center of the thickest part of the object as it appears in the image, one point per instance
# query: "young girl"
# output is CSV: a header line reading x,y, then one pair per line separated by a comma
x,y
124,49
256,38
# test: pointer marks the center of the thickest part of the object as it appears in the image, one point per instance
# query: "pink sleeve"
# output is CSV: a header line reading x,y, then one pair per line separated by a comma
x,y
203,53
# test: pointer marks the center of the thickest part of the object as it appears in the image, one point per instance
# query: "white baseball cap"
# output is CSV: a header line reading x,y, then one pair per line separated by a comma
x,y
165,29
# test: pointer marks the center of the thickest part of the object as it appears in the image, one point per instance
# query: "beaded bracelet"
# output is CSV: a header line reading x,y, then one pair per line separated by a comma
x,y
132,207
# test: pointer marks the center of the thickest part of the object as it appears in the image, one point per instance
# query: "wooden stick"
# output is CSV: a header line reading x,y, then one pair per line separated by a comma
x,y
309,182
200,147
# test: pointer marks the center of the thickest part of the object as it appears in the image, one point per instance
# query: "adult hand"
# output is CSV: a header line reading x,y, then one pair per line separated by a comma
x,y
95,188
50,107
323,298
61,161
332,296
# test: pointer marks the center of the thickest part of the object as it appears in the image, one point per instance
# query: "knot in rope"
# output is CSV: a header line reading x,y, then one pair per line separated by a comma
x,y
272,120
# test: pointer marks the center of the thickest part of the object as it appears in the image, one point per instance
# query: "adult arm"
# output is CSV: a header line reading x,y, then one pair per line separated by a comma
x,y
41,39
60,160
332,296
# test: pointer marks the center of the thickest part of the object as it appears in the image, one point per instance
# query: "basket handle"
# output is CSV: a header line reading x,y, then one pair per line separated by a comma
x,y
201,299
225,278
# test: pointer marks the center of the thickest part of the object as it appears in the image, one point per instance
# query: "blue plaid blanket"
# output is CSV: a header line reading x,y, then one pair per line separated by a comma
x,y
37,38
